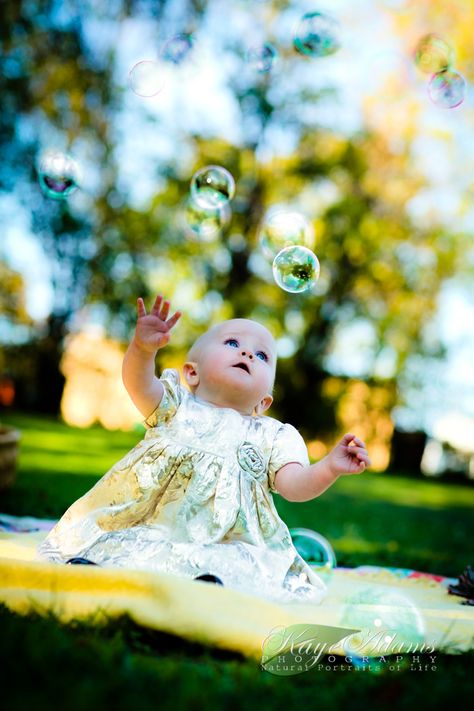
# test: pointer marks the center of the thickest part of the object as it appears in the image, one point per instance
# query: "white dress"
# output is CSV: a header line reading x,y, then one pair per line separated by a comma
x,y
193,497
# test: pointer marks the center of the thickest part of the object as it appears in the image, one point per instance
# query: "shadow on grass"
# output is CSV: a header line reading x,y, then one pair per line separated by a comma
x,y
44,495
124,665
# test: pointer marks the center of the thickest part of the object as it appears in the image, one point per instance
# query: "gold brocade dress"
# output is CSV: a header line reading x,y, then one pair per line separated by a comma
x,y
193,497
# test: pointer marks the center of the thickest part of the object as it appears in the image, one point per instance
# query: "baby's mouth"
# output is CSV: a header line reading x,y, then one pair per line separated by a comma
x,y
244,366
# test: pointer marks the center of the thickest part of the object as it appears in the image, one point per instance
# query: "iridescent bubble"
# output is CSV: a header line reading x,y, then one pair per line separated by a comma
x,y
177,48
261,58
389,622
315,549
447,89
433,54
205,224
295,269
212,186
146,78
317,35
284,229
58,174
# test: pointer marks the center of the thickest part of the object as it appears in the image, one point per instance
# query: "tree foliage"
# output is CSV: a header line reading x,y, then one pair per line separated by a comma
x,y
377,267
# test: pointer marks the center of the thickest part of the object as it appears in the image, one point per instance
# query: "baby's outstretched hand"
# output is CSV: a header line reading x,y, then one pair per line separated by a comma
x,y
349,456
153,330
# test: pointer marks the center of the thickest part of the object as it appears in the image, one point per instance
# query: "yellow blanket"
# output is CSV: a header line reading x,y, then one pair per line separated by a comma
x,y
389,606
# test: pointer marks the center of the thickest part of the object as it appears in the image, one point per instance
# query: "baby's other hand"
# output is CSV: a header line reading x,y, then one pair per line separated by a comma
x,y
349,456
153,330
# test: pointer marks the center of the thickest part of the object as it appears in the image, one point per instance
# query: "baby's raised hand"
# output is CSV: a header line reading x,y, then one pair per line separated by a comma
x,y
153,330
349,456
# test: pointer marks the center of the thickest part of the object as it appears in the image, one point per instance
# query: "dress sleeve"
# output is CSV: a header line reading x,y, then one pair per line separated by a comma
x,y
171,400
288,446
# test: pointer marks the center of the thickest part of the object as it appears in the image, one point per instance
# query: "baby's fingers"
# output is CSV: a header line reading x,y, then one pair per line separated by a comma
x,y
171,321
363,457
155,309
164,310
141,311
359,452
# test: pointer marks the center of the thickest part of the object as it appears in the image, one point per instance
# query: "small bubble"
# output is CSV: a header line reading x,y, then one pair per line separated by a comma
x,y
205,224
146,78
314,548
212,186
177,48
317,35
261,58
283,229
433,54
447,89
58,174
295,269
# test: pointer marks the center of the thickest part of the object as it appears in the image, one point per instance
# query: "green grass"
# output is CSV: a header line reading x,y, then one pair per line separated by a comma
x,y
370,519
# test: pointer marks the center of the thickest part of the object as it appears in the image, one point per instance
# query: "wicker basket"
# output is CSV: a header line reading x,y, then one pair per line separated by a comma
x,y
9,439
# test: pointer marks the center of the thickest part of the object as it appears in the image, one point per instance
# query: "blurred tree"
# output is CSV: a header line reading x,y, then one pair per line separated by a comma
x,y
106,247
12,296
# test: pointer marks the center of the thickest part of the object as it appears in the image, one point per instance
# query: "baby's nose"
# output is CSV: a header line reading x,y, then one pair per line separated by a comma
x,y
249,354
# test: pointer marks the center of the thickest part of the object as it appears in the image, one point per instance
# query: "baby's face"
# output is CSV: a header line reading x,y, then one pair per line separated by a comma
x,y
237,365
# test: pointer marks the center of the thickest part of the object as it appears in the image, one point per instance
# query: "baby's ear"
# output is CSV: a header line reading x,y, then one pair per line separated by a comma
x,y
191,374
263,405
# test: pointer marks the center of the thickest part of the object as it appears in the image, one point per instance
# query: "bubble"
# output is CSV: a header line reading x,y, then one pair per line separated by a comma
x,y
262,57
447,89
433,54
146,78
177,48
388,621
317,35
315,549
212,186
205,224
284,229
58,174
295,269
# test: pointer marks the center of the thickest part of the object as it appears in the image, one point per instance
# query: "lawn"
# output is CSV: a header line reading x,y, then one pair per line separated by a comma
x,y
372,518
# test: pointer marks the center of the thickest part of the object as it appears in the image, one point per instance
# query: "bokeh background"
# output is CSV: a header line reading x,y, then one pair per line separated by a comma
x,y
383,344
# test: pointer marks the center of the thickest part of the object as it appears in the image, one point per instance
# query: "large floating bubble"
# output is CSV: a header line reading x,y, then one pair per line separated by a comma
x,y
262,57
177,48
433,54
389,622
447,89
212,187
58,174
205,224
146,78
317,35
283,229
295,269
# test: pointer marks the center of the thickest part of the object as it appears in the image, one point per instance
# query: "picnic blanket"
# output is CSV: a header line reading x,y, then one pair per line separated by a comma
x,y
377,610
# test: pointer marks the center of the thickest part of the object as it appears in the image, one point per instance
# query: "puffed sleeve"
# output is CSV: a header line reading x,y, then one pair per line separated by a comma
x,y
288,446
171,400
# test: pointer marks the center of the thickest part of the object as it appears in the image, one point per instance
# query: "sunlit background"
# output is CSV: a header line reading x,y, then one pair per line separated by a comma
x,y
355,141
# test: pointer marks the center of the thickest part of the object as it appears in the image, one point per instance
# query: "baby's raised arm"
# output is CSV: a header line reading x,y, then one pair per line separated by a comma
x,y
138,368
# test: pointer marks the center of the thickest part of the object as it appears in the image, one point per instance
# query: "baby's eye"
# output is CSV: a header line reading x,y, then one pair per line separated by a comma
x,y
232,341
264,355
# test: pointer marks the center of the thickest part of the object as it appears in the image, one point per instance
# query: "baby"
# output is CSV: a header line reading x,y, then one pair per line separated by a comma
x,y
193,497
